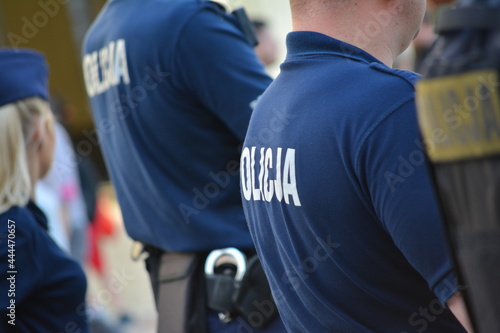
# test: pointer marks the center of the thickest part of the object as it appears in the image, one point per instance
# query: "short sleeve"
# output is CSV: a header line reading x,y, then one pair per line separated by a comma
x,y
219,68
396,176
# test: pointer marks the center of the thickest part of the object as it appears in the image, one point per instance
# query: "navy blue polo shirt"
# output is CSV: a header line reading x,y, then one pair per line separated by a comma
x,y
336,190
43,288
171,83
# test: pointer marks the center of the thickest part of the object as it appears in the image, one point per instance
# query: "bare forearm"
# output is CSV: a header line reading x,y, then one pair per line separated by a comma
x,y
457,306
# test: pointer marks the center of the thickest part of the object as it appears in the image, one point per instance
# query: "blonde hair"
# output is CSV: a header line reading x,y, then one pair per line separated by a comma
x,y
18,121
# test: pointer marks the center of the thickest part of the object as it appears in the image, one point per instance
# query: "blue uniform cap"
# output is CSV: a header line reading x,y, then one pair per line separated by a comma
x,y
23,74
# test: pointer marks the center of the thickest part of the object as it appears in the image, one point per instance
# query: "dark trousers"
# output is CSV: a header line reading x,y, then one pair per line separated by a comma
x,y
177,289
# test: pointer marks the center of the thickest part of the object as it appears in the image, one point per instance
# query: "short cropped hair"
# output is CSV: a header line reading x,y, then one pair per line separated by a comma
x,y
17,127
313,6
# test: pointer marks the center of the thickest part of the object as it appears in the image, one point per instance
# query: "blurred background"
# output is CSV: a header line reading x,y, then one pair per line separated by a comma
x,y
119,295
57,28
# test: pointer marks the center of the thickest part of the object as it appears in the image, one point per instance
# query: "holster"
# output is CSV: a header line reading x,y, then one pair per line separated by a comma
x,y
180,291
253,299
249,297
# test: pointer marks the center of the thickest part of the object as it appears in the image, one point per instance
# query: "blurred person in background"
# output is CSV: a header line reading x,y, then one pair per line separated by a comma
x,y
60,195
44,287
171,83
267,50
424,40
113,316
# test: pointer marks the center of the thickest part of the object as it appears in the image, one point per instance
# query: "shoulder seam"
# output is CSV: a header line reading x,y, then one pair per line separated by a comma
x,y
182,29
206,5
394,72
372,129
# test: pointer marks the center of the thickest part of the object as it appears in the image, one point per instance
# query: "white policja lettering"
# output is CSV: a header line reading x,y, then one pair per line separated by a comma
x,y
111,63
256,183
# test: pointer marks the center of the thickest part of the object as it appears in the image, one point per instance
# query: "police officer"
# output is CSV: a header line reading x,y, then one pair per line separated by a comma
x,y
172,84
43,288
338,195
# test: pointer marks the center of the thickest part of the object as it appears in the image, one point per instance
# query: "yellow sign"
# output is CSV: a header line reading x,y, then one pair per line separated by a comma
x,y
459,115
